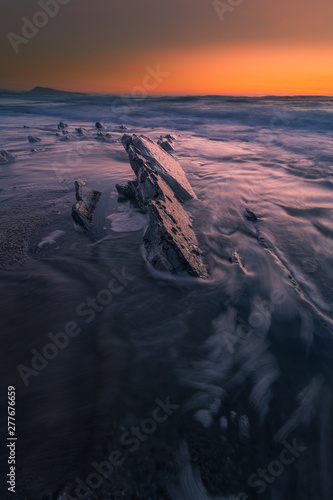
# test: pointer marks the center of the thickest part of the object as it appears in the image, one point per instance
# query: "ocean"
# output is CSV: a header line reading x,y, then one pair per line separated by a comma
x,y
244,357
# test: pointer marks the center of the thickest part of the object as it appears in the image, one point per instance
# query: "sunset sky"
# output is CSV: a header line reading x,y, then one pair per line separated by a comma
x,y
282,47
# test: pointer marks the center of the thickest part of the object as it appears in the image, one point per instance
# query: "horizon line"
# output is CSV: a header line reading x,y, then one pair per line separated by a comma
x,y
162,94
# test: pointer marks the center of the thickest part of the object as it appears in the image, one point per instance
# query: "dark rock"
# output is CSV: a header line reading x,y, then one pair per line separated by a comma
x,y
26,126
171,137
81,131
83,210
62,125
98,125
58,135
31,138
251,216
167,142
5,157
128,191
68,136
34,150
122,127
169,240
104,135
166,145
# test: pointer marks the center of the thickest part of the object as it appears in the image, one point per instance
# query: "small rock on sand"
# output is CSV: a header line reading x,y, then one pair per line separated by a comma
x,y
81,131
5,157
62,125
104,135
251,216
31,138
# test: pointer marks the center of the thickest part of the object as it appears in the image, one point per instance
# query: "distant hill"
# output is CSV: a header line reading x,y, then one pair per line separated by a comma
x,y
39,91
45,91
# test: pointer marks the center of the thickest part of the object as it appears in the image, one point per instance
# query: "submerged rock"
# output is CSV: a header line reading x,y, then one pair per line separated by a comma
x,y
62,125
251,216
5,157
81,131
122,127
104,135
142,148
31,138
68,137
83,210
98,125
169,240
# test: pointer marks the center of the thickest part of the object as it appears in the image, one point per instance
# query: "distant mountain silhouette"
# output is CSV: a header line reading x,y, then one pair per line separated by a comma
x,y
45,91
39,91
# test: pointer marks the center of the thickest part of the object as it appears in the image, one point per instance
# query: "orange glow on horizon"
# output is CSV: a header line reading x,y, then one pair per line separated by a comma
x,y
245,70
234,70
